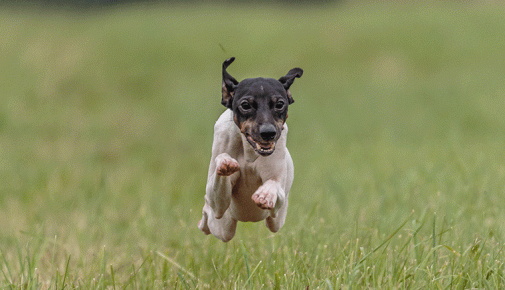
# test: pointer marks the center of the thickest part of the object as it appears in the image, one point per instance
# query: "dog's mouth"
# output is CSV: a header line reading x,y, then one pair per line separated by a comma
x,y
262,148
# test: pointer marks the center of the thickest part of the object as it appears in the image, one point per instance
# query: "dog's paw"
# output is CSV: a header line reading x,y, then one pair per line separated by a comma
x,y
266,195
202,224
226,165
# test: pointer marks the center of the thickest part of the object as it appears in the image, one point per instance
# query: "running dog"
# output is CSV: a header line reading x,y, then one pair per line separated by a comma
x,y
251,170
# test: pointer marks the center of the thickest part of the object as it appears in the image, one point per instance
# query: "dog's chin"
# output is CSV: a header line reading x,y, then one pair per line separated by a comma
x,y
263,149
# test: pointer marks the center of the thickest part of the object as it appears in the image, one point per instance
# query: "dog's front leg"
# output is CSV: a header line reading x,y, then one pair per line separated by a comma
x,y
270,196
219,186
216,219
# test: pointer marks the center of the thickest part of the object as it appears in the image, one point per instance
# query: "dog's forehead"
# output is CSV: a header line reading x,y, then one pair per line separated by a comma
x,y
260,87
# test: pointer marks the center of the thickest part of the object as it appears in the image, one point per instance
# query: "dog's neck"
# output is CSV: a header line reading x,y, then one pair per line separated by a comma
x,y
249,153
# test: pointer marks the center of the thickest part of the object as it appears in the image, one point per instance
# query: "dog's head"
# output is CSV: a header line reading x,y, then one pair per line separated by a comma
x,y
260,106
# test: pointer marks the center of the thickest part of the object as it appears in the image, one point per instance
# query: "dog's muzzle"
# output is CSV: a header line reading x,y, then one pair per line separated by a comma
x,y
266,146
262,148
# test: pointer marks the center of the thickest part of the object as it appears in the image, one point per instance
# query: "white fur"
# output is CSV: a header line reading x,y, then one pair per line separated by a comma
x,y
248,194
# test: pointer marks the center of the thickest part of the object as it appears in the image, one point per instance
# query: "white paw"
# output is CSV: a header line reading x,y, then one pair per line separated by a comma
x,y
266,195
202,224
226,165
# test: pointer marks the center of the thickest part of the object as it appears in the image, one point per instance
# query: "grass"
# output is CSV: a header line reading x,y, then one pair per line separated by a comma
x,y
396,132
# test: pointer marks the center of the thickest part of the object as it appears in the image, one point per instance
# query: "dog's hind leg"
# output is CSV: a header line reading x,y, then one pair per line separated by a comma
x,y
274,224
223,228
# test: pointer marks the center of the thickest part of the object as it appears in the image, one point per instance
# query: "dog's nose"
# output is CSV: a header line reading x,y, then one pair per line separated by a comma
x,y
267,132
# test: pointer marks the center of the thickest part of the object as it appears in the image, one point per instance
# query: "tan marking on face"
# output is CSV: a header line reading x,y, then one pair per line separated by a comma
x,y
279,125
245,127
236,120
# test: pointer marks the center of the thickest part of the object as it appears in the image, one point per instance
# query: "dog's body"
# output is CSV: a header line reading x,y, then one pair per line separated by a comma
x,y
251,170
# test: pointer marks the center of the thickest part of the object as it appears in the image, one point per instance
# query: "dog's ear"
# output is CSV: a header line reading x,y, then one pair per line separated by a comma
x,y
229,84
288,80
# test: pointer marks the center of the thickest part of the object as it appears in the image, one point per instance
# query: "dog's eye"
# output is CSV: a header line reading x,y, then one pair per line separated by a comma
x,y
279,105
245,106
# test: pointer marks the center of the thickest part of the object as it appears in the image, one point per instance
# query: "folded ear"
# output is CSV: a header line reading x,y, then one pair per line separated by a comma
x,y
288,80
229,84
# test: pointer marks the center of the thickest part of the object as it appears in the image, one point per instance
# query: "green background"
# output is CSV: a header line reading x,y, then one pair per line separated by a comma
x,y
396,133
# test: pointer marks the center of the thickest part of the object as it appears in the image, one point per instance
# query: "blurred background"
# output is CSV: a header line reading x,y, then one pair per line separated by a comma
x,y
107,110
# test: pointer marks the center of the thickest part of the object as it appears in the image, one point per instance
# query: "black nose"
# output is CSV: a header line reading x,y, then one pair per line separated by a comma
x,y
267,132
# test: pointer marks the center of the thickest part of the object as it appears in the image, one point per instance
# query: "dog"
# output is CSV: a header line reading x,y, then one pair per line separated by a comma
x,y
251,170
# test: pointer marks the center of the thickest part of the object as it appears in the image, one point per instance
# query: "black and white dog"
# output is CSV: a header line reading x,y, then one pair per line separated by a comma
x,y
251,170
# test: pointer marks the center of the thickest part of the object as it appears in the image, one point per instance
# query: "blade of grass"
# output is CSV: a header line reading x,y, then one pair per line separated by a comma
x,y
54,253
385,241
218,275
434,244
7,266
248,279
66,273
133,277
246,260
103,268
176,265
112,277
20,258
181,277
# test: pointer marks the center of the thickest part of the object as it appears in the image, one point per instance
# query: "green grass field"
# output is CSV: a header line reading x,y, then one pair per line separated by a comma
x,y
397,134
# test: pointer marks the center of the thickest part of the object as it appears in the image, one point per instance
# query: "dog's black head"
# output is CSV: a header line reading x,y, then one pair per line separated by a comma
x,y
260,106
